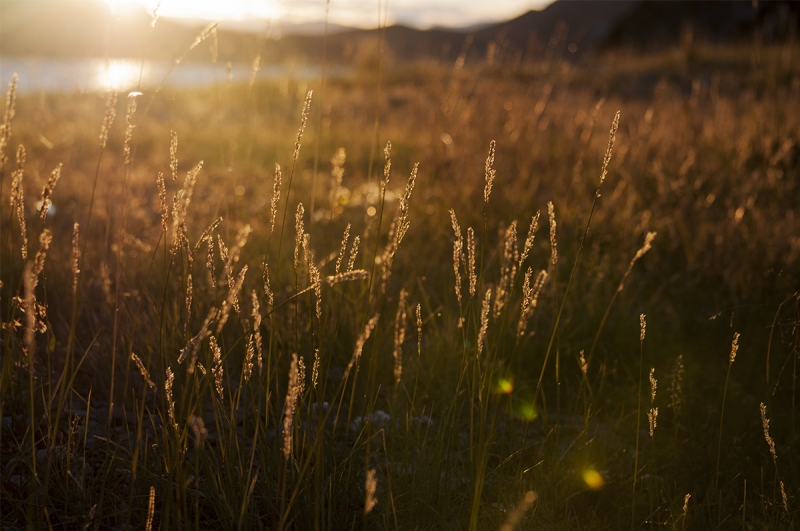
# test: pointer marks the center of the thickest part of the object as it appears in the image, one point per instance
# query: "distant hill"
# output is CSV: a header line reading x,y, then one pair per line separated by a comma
x,y
569,28
651,24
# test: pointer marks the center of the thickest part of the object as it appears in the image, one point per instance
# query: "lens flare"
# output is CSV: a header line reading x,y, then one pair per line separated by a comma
x,y
525,410
592,478
505,386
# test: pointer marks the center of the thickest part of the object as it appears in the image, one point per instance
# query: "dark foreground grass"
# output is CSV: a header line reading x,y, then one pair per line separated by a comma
x,y
268,393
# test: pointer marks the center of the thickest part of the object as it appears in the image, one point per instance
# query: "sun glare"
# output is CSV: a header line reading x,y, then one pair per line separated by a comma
x,y
118,75
205,9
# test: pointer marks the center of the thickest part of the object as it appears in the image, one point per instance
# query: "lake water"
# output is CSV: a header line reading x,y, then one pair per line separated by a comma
x,y
90,75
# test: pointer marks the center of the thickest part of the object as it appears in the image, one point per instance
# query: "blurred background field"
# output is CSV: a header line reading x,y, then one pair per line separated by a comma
x,y
705,156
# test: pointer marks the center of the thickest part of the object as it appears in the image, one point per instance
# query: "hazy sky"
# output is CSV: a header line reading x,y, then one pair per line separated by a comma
x,y
361,13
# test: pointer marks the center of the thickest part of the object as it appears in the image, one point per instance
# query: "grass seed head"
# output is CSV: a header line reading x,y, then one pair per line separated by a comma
x,y
143,371
126,146
612,136
734,348
151,506
47,191
487,299
343,248
399,336
292,394
76,255
173,155
642,326
276,197
108,118
8,116
767,436
489,173
551,212
528,245
370,487
18,201
168,383
351,262
303,122
419,330
473,277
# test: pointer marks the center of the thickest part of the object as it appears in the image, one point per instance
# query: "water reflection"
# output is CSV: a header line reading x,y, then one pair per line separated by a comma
x,y
99,75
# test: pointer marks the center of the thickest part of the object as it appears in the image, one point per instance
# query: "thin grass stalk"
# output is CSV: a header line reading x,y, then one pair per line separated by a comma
x,y
642,325
612,135
734,350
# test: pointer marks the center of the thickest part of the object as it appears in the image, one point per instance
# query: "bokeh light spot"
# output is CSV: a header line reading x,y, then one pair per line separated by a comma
x,y
505,386
592,478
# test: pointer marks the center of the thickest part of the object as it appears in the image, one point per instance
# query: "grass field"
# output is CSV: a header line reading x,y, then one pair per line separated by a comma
x,y
161,370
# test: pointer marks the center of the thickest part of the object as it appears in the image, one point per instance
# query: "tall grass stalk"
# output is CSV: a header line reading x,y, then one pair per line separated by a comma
x,y
642,330
731,357
611,138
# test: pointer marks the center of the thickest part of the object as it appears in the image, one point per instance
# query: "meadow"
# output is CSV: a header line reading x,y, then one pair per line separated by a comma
x,y
481,295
